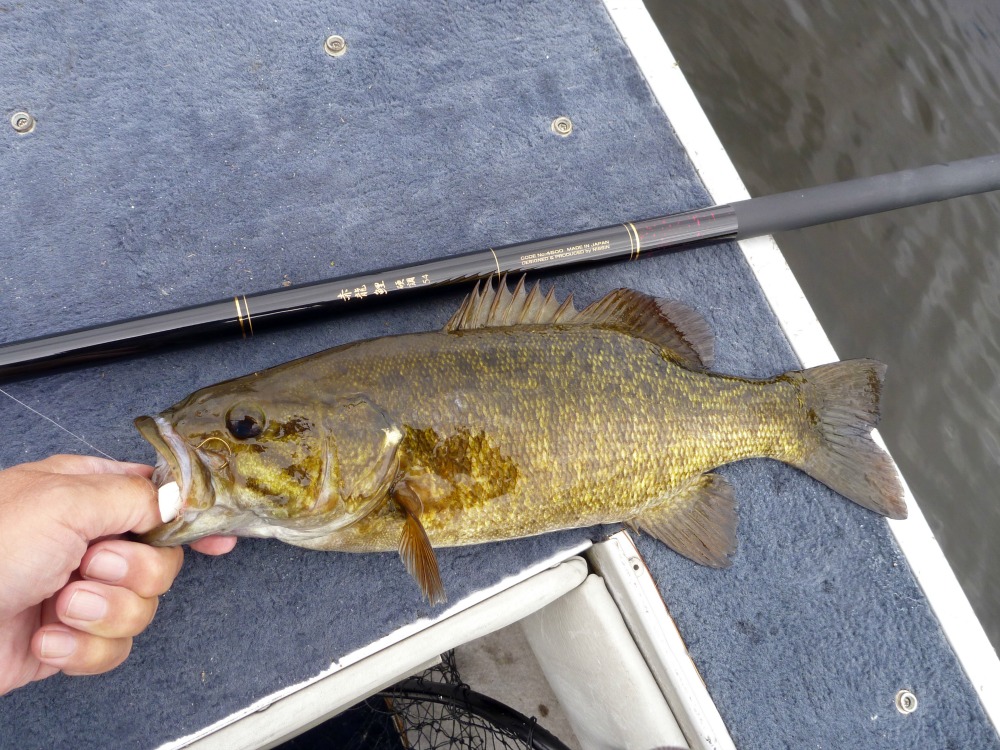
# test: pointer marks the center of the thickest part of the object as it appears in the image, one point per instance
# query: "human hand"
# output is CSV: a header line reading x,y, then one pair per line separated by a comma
x,y
73,592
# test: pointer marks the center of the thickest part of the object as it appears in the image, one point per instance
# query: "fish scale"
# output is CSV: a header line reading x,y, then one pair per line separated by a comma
x,y
486,431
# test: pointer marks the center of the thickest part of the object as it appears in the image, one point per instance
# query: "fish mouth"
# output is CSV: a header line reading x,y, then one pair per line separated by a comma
x,y
177,463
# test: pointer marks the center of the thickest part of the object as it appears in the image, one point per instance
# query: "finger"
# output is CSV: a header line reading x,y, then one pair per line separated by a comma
x,y
148,571
74,464
99,505
214,545
107,611
77,653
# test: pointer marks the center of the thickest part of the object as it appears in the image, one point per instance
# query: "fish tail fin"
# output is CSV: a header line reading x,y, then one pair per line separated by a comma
x,y
842,404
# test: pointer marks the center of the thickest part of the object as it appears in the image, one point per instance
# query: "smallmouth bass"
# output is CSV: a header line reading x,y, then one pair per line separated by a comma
x,y
520,416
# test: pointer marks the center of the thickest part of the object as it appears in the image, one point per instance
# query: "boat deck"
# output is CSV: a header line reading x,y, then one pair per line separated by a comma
x,y
186,153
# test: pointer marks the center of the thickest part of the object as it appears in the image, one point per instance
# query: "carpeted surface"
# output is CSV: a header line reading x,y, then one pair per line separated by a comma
x,y
189,152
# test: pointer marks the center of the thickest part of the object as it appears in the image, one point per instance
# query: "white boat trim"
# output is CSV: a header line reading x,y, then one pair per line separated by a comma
x,y
634,590
406,651
961,627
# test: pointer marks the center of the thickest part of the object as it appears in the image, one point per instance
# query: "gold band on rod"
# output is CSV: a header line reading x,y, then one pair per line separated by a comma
x,y
246,309
633,238
239,316
240,312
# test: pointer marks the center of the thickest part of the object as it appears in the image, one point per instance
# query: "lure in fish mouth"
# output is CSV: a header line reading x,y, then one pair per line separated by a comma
x,y
521,416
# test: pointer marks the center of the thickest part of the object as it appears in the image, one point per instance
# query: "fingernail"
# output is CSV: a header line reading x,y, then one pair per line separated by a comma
x,y
86,605
107,566
57,644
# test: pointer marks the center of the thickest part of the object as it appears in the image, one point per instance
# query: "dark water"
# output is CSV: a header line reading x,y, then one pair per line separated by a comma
x,y
803,93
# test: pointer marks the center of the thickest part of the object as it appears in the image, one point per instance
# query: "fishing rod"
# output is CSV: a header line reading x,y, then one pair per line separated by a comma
x,y
244,313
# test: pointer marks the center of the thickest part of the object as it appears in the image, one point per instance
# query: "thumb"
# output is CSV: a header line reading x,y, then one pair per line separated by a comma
x,y
99,505
71,463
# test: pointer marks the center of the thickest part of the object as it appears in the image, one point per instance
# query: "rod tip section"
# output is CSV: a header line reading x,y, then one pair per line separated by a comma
x,y
170,501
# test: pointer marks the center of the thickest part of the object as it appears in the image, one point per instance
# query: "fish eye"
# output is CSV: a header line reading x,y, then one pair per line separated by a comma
x,y
245,422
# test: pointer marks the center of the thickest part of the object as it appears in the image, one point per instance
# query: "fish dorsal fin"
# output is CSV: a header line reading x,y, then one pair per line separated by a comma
x,y
669,324
486,307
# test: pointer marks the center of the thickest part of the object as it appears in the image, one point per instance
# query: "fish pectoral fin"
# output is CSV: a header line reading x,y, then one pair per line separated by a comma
x,y
415,548
698,521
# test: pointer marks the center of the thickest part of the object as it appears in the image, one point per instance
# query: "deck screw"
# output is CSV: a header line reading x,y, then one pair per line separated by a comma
x,y
906,701
562,126
335,46
22,122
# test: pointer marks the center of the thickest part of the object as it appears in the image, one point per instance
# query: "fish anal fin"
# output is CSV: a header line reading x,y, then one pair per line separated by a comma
x,y
415,548
679,330
698,521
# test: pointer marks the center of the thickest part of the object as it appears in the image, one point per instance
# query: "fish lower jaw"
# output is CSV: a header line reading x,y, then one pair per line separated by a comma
x,y
311,535
192,524
297,536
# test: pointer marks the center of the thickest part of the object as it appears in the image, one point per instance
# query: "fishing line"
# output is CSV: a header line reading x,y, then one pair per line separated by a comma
x,y
35,411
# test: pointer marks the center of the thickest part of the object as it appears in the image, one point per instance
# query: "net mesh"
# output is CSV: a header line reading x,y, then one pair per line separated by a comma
x,y
432,711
